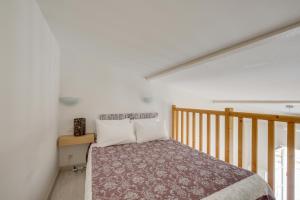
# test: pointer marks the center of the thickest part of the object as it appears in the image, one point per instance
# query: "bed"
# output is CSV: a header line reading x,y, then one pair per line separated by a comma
x,y
166,169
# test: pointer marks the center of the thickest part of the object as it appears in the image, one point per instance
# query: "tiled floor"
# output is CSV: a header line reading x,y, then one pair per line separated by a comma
x,y
69,186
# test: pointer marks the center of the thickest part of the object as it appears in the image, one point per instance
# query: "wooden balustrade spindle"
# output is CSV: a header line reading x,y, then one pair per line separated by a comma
x,y
200,131
291,161
254,146
182,118
271,154
228,133
240,141
217,136
208,134
194,131
176,125
187,127
173,121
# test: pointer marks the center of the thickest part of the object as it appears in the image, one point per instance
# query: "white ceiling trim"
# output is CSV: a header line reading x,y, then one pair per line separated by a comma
x,y
268,36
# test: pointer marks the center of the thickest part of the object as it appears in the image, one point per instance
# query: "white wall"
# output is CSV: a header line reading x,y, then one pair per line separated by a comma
x,y
100,90
29,89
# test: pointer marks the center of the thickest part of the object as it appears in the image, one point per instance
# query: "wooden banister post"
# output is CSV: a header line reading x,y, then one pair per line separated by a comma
x,y
228,134
173,121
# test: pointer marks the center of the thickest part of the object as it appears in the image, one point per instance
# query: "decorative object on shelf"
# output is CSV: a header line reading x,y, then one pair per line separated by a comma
x,y
69,101
79,126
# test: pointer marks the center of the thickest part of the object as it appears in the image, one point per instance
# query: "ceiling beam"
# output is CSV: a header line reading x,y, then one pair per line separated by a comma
x,y
224,51
259,101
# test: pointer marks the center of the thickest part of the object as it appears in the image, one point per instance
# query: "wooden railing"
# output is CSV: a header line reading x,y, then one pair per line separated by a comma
x,y
184,115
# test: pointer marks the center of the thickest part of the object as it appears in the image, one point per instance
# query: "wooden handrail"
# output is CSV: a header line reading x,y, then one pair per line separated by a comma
x,y
268,117
213,112
259,116
229,114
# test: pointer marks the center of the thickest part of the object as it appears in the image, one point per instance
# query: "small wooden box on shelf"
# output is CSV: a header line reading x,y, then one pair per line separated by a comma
x,y
68,140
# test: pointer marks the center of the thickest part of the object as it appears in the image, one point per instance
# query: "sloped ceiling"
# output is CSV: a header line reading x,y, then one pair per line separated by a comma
x,y
149,35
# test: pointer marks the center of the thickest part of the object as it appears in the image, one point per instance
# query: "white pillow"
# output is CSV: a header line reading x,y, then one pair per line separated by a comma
x,y
112,132
148,130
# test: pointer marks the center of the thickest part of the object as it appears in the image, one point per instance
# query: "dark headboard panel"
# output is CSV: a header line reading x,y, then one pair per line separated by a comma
x,y
128,115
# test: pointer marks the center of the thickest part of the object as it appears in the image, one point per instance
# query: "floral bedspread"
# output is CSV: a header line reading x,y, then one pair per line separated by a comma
x,y
164,170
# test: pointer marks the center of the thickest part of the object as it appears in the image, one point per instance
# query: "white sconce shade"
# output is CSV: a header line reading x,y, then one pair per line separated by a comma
x,y
69,101
147,100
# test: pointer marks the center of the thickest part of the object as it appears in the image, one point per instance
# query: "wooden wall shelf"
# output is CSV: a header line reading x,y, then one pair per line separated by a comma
x,y
68,140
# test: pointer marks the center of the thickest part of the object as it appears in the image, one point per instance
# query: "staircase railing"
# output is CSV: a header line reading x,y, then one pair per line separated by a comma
x,y
184,130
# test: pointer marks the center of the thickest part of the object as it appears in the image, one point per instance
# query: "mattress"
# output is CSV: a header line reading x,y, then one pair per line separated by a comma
x,y
166,170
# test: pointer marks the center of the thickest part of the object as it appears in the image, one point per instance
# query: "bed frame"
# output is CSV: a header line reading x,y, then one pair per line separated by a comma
x,y
229,114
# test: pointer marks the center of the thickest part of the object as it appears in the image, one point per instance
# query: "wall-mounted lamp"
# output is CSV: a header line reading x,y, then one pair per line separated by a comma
x,y
147,93
147,100
69,101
